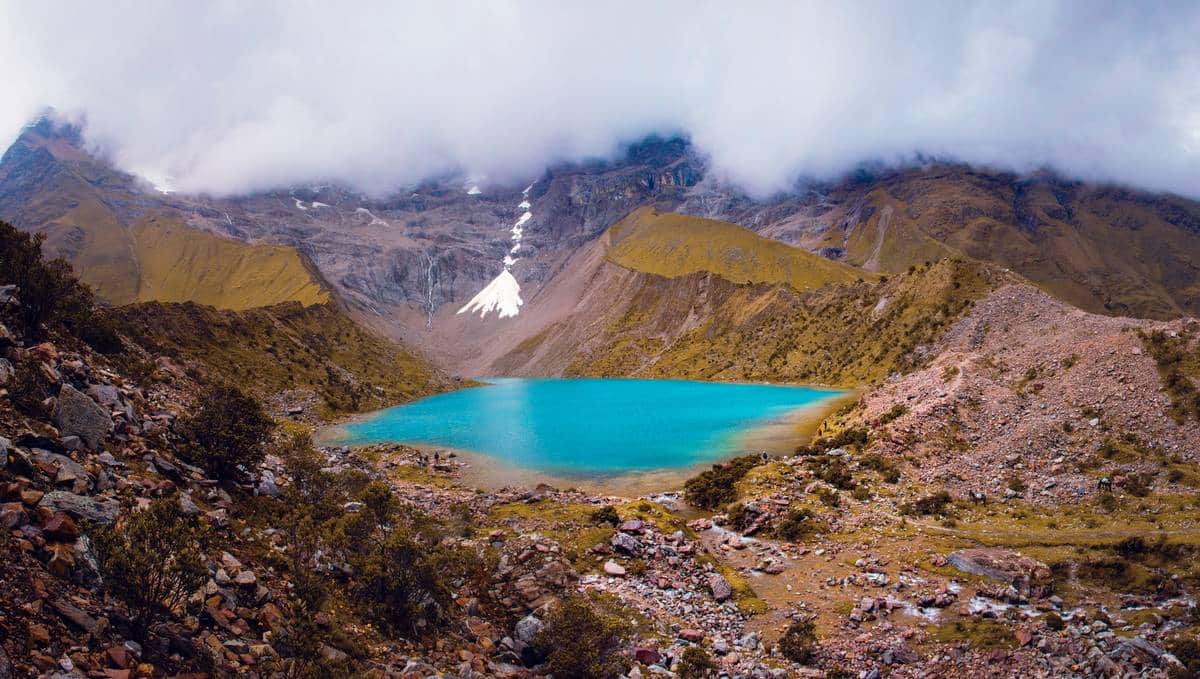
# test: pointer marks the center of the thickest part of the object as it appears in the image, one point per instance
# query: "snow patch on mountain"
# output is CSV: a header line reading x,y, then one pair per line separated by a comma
x,y
503,294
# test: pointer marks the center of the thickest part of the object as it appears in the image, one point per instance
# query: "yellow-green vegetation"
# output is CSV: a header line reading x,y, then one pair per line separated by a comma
x,y
1102,249
744,596
1178,365
284,347
177,263
671,244
847,333
979,633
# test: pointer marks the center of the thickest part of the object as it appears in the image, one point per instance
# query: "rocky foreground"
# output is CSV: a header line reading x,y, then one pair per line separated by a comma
x,y
1024,505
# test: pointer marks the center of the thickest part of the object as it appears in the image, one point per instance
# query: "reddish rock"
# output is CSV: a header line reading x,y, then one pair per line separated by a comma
x,y
61,527
693,635
647,656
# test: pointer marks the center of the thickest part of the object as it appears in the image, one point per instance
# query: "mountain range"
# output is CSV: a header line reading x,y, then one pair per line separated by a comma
x,y
655,219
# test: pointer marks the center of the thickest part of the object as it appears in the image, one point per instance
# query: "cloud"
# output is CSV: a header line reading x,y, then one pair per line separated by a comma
x,y
231,97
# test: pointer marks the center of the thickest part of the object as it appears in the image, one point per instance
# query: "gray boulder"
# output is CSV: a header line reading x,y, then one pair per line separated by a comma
x,y
624,542
111,398
527,628
80,507
77,415
5,444
6,371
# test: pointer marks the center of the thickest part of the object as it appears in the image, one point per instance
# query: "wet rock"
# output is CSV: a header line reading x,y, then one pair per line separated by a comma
x,y
77,415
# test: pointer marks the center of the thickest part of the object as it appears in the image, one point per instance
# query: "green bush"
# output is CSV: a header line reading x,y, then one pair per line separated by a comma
x,y
51,297
578,641
796,526
854,437
887,469
799,642
928,505
28,388
151,561
402,570
227,433
832,470
1186,649
606,514
695,664
717,486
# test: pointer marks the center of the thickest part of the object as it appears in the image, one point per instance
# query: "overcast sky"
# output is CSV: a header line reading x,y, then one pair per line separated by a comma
x,y
231,97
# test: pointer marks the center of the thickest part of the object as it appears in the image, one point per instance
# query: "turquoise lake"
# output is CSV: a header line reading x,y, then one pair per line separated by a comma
x,y
588,427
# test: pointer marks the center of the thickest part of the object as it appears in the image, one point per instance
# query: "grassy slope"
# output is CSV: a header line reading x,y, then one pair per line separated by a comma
x,y
1104,250
181,264
287,346
837,334
671,245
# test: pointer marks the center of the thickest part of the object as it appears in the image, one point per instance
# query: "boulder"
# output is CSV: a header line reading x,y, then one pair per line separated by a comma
x,y
720,587
613,568
111,398
624,542
1004,565
527,628
77,415
86,508
6,371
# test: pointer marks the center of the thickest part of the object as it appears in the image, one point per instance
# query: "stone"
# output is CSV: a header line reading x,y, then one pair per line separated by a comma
x,y
246,578
720,587
631,526
613,568
999,564
647,656
695,636
266,484
86,508
60,527
527,628
77,415
76,616
6,371
111,398
624,542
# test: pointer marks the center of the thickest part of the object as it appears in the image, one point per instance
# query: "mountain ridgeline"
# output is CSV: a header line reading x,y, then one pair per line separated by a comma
x,y
644,265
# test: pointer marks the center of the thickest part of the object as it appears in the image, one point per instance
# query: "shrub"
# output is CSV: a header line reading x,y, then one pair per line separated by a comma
x,y
578,641
796,526
1139,485
227,432
1186,649
897,411
854,437
401,568
799,642
930,504
28,388
606,514
312,492
51,296
695,664
832,470
1054,621
886,468
717,486
828,496
151,561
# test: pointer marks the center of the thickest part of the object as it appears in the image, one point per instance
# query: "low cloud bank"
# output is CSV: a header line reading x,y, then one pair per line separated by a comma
x,y
235,97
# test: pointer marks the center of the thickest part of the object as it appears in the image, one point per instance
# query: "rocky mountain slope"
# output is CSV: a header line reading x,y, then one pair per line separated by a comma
x,y
125,242
408,261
